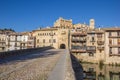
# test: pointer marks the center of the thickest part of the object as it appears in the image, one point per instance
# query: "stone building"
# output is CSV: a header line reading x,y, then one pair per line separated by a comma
x,y
2,41
63,23
3,38
112,45
100,45
13,41
16,41
27,40
31,41
55,37
24,39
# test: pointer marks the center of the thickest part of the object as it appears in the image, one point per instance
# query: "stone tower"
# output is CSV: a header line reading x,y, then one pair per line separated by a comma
x,y
92,24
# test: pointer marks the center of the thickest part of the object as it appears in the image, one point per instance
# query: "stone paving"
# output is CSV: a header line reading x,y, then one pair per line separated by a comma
x,y
58,72
36,66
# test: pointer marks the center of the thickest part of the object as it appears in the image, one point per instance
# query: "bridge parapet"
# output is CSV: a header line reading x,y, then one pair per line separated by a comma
x,y
22,51
70,74
63,69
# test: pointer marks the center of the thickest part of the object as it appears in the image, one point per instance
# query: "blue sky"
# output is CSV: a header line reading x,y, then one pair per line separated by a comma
x,y
27,15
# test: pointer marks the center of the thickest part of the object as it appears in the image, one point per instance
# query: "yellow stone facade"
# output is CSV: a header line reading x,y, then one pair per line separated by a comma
x,y
86,42
57,38
63,23
2,41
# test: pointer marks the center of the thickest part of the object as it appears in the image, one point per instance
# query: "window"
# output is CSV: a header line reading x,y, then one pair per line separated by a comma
x,y
93,39
15,44
43,40
110,34
29,43
3,48
118,33
110,51
24,45
37,40
91,69
49,40
99,35
110,41
100,51
91,54
54,40
92,34
118,41
119,50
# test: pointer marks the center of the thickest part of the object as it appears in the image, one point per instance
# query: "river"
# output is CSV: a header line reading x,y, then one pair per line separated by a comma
x,y
100,72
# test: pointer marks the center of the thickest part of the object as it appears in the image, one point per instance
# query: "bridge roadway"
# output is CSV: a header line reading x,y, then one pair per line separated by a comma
x,y
35,66
41,65
58,72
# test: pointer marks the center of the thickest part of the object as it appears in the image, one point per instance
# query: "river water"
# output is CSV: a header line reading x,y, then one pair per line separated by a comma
x,y
100,72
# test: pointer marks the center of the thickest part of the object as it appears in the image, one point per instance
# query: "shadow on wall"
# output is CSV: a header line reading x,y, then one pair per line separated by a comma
x,y
77,67
62,46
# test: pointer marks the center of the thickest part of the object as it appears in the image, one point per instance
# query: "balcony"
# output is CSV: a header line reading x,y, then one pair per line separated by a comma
x,y
75,40
99,37
100,42
79,40
92,41
114,54
100,47
78,47
114,36
17,45
91,49
13,40
76,44
114,45
79,34
83,39
2,45
2,41
78,51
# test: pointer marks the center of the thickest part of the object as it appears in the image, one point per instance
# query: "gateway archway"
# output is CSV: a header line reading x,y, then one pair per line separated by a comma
x,y
62,46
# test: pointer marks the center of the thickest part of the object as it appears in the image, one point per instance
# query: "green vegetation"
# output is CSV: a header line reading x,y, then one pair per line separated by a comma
x,y
6,29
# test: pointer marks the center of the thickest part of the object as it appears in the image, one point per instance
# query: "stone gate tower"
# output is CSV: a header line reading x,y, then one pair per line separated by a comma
x,y
92,23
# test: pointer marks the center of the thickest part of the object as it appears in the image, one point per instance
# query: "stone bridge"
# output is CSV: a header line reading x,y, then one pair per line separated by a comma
x,y
39,64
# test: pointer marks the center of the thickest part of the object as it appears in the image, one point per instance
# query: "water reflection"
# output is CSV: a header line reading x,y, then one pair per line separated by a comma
x,y
97,72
